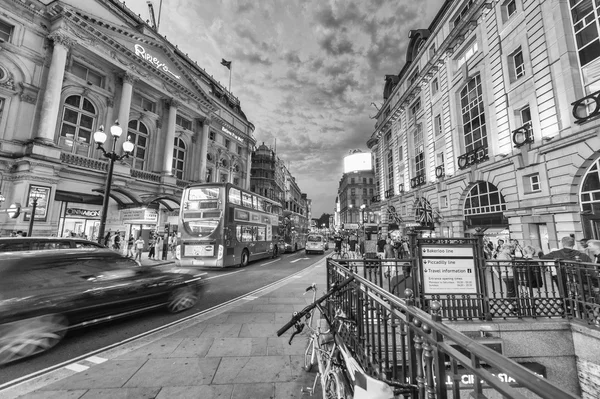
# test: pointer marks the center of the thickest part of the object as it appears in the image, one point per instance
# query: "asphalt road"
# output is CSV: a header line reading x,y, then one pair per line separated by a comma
x,y
218,286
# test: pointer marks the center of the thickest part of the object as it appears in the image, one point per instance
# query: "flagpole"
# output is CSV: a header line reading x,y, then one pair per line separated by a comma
x,y
230,66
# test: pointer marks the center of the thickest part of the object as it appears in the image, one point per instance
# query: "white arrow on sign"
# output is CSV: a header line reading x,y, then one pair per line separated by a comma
x,y
294,261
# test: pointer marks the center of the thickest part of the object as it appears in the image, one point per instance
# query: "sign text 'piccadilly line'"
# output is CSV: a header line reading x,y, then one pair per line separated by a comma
x,y
140,51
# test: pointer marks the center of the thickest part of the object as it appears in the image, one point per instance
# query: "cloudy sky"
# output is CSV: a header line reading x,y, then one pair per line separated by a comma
x,y
305,71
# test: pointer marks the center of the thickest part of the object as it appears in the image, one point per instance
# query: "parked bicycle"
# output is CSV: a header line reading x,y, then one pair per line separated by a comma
x,y
339,374
340,253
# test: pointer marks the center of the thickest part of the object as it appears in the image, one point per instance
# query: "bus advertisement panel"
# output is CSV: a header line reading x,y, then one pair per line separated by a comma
x,y
222,225
295,230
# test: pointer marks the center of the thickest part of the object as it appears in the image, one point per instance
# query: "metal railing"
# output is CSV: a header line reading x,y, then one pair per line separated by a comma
x,y
144,175
396,340
508,289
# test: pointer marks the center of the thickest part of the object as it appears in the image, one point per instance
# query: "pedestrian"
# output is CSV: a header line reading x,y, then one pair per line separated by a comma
x,y
152,246
529,273
388,253
117,241
517,250
353,244
380,246
505,269
498,248
139,247
159,246
174,246
130,242
107,239
569,254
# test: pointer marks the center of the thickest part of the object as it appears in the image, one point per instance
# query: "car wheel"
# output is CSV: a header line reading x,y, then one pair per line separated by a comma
x,y
245,258
182,299
29,337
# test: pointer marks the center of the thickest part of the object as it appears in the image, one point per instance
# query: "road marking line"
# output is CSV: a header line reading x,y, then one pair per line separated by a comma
x,y
249,298
77,367
297,276
268,263
96,359
222,275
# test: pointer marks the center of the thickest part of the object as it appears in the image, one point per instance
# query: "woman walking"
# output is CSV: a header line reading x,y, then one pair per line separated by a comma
x,y
152,245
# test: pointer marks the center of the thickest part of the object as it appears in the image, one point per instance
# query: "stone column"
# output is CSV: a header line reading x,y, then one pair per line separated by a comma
x,y
204,146
51,100
129,80
170,137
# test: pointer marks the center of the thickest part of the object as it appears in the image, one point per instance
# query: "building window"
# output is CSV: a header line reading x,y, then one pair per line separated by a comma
x,y
212,136
525,115
467,54
435,86
590,190
403,210
364,180
473,115
440,162
183,122
178,158
463,12
138,133
444,201
78,120
388,137
87,74
415,108
484,198
227,143
370,180
364,192
517,64
511,8
352,192
352,181
6,31
414,76
400,153
390,170
236,182
432,51
419,160
239,149
586,23
438,124
370,191
144,103
534,183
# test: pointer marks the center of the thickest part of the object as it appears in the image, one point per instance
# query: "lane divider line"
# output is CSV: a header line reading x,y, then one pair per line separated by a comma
x,y
268,263
222,275
250,298
78,368
27,378
96,359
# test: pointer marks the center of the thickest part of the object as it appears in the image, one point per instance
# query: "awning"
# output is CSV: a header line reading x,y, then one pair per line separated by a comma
x,y
123,197
169,201
491,231
80,198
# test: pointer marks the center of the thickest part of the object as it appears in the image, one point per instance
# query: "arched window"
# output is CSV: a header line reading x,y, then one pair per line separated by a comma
x,y
473,115
178,158
138,134
590,190
484,198
78,121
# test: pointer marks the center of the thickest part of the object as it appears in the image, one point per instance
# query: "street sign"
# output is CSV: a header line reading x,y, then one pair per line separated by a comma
x,y
448,269
351,226
14,210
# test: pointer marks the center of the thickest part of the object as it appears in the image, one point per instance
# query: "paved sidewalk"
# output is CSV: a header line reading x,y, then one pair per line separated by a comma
x,y
231,353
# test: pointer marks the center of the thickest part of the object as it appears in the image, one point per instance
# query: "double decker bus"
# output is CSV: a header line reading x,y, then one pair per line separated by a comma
x,y
223,225
295,231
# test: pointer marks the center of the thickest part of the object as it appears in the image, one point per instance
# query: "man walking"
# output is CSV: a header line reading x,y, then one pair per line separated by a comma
x,y
565,253
139,247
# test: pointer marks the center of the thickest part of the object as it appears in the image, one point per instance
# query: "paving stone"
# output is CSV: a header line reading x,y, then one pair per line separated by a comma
x,y
242,318
280,300
224,347
193,332
253,369
293,390
62,394
275,308
174,372
221,331
254,391
280,346
160,348
193,347
258,330
122,393
197,392
110,374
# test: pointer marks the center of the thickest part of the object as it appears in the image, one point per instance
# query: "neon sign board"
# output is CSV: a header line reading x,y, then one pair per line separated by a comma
x,y
140,51
235,136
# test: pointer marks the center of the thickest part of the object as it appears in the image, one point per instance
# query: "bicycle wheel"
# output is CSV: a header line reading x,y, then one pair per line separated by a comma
x,y
309,355
333,387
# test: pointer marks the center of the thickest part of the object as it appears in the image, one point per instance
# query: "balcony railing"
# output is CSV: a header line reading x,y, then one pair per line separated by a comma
x,y
587,108
83,162
473,157
389,193
147,176
418,180
440,171
523,135
183,183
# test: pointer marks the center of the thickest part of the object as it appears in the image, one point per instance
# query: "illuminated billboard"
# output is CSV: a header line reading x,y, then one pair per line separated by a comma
x,y
357,162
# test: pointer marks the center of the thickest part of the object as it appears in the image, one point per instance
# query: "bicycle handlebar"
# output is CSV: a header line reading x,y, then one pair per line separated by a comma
x,y
296,317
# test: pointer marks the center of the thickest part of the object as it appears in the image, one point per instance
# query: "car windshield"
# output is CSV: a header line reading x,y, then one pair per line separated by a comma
x,y
315,238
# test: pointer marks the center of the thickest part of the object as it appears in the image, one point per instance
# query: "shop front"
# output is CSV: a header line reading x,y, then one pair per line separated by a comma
x,y
79,215
484,211
140,222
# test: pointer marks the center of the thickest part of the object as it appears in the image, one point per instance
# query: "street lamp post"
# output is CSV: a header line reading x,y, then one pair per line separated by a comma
x,y
100,138
34,195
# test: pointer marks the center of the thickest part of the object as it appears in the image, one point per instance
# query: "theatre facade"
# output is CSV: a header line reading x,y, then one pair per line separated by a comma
x,y
69,67
491,124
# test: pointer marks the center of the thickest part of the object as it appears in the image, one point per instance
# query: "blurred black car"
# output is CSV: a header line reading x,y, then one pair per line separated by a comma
x,y
12,244
45,293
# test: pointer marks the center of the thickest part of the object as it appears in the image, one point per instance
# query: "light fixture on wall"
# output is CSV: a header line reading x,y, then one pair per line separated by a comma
x,y
547,138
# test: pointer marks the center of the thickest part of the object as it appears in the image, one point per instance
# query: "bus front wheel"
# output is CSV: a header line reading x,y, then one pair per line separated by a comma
x,y
245,258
